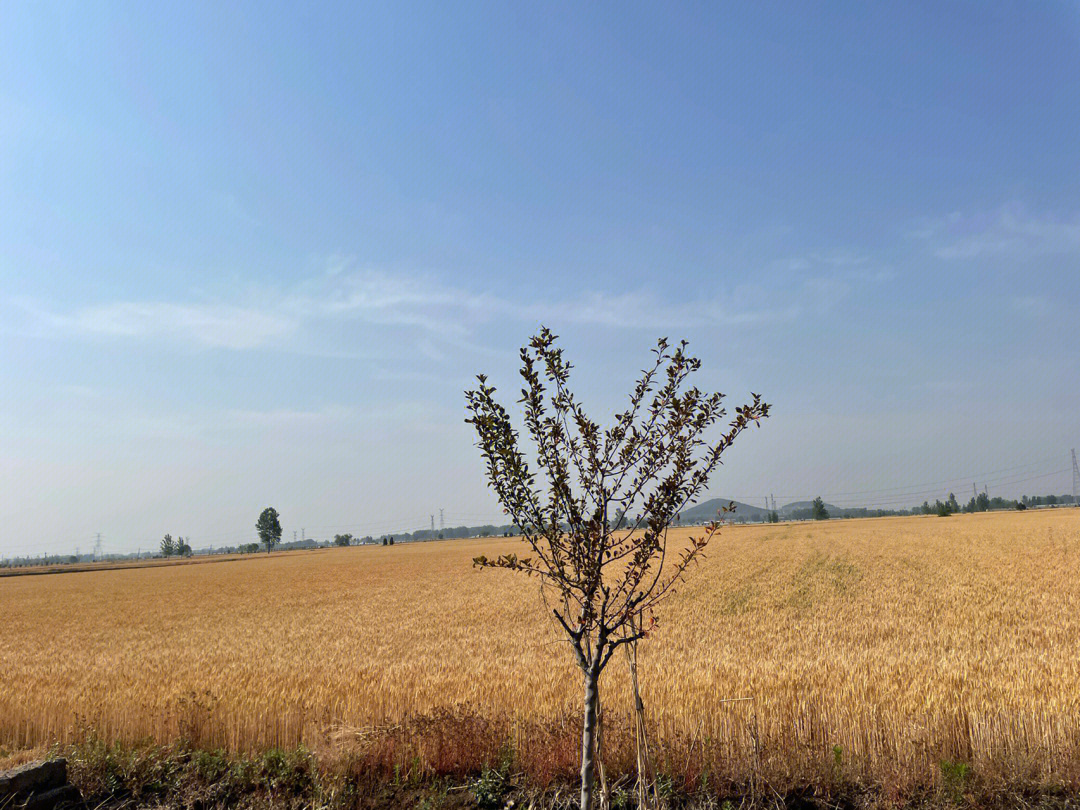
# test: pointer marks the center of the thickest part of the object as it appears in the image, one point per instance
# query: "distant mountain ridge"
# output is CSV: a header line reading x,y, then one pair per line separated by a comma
x,y
709,510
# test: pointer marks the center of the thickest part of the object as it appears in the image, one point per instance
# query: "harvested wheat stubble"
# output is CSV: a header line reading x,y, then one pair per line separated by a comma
x,y
905,641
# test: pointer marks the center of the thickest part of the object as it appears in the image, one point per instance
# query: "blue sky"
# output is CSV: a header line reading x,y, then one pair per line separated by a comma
x,y
253,254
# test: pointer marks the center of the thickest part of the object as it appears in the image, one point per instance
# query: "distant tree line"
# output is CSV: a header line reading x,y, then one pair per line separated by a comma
x,y
181,546
982,502
1048,500
819,510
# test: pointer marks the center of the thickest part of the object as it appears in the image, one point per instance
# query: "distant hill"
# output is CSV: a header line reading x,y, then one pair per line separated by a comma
x,y
798,510
709,510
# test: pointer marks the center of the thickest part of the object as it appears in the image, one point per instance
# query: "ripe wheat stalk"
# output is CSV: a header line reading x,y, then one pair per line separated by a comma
x,y
899,643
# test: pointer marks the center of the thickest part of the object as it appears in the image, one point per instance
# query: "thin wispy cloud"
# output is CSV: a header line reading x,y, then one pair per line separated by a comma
x,y
442,317
209,324
285,417
842,258
1009,230
644,310
842,264
103,414
1033,305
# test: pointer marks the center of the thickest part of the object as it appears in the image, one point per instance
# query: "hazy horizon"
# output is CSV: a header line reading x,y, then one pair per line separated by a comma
x,y
253,256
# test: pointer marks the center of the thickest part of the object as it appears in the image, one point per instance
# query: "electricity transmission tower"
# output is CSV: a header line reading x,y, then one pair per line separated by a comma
x,y
97,547
442,523
1076,480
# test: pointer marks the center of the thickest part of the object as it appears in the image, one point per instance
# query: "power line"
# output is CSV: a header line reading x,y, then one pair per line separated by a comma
x,y
885,497
929,488
907,497
959,479
1076,480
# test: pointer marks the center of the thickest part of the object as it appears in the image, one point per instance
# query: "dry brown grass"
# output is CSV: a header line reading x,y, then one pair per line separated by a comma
x,y
904,641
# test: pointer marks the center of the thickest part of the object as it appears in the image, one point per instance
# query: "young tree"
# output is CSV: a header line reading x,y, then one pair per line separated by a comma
x,y
168,547
269,528
819,510
603,584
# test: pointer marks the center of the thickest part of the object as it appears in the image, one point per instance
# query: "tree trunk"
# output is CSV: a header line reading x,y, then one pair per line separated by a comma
x,y
588,734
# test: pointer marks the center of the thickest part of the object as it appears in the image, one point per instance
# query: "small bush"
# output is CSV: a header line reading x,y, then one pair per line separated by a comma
x,y
287,771
665,787
106,770
954,779
210,766
490,789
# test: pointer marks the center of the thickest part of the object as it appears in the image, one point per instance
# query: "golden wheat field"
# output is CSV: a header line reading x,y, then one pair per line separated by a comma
x,y
904,641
